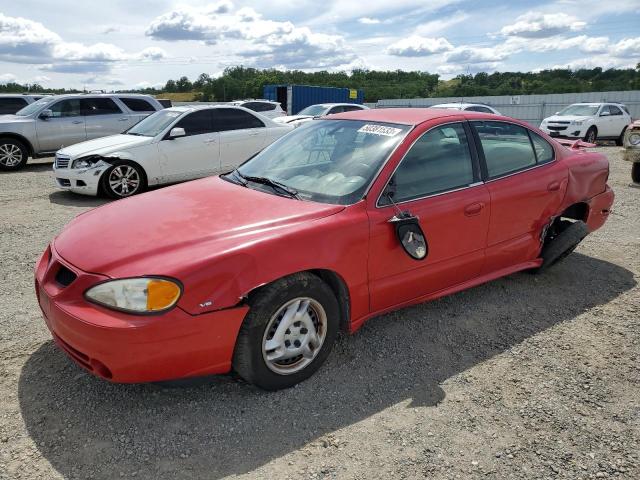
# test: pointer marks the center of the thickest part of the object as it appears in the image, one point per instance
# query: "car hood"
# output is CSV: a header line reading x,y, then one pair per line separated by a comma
x,y
163,231
291,118
8,118
104,145
567,118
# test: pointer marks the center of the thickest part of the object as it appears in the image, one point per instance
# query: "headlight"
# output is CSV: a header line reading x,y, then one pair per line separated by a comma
x,y
86,162
634,139
136,295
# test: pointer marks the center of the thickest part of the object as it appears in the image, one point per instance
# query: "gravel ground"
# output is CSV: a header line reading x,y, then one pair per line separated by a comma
x,y
526,377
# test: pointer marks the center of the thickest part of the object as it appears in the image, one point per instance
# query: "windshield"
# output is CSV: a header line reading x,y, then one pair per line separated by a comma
x,y
154,124
579,110
313,110
330,161
33,107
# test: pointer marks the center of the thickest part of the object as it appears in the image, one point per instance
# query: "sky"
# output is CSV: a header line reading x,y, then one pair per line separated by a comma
x,y
118,44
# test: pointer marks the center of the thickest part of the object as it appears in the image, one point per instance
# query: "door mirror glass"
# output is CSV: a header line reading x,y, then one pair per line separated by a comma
x,y
410,235
176,132
46,114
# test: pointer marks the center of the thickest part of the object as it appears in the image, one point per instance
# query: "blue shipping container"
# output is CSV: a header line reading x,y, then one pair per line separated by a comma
x,y
294,98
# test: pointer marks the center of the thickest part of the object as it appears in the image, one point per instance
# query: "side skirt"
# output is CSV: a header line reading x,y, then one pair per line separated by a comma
x,y
356,324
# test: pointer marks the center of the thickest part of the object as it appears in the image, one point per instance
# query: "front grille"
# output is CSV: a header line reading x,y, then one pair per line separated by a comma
x,y
64,276
562,122
62,161
556,128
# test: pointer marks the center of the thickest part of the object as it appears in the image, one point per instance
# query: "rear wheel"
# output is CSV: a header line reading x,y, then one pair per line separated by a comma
x,y
288,332
635,172
591,135
123,180
13,154
562,239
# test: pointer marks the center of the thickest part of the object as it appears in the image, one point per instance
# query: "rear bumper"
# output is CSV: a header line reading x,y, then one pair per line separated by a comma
x,y
127,348
599,209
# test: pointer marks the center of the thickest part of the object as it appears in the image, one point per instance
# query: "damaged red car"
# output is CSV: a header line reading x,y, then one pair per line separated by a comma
x,y
345,218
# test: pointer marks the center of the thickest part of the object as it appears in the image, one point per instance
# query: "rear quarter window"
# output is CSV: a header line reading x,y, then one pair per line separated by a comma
x,y
137,104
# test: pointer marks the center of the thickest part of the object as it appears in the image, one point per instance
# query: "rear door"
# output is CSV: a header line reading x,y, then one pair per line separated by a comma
x,y
194,155
65,127
526,185
242,135
618,120
103,117
438,181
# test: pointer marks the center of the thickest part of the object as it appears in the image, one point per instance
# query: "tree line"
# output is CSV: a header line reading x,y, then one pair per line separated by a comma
x,y
243,82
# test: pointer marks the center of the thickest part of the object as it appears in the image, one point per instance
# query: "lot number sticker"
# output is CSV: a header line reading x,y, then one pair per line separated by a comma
x,y
379,130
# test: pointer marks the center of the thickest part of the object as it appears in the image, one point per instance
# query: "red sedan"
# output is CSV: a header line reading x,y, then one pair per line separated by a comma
x,y
341,220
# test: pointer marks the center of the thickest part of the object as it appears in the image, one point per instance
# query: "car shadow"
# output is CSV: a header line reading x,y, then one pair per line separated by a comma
x,y
30,167
223,427
70,199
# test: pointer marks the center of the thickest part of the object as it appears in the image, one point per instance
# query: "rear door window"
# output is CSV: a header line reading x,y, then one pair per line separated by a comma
x,y
225,119
137,104
506,146
613,110
99,106
478,109
11,105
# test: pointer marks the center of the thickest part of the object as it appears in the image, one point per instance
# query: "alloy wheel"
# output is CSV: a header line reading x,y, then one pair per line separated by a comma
x,y
124,180
294,336
10,155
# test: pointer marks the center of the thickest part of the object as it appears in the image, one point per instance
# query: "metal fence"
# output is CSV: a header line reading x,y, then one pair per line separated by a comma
x,y
529,108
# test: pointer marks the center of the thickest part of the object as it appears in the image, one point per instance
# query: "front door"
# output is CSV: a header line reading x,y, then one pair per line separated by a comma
x,y
194,155
64,127
526,185
437,181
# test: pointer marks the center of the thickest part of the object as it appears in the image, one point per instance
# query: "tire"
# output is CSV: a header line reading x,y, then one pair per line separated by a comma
x,y
563,243
635,172
592,135
13,154
269,307
137,182
620,139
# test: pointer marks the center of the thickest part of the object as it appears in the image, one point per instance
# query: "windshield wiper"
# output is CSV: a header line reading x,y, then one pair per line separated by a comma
x,y
290,192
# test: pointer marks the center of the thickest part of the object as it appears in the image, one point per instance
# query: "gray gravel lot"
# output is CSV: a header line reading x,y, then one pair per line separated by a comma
x,y
526,377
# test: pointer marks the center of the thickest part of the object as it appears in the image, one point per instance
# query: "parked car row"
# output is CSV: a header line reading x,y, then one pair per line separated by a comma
x,y
348,216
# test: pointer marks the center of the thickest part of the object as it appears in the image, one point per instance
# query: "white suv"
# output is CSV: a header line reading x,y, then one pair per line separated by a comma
x,y
43,127
263,107
589,121
467,107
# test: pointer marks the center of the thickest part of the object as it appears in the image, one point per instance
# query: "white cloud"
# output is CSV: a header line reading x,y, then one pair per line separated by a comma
x,y
271,43
581,42
41,79
628,47
368,21
540,25
7,78
417,46
22,39
476,55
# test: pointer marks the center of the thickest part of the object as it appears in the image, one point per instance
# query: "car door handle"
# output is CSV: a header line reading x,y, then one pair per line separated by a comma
x,y
254,134
123,119
553,186
210,140
473,209
77,122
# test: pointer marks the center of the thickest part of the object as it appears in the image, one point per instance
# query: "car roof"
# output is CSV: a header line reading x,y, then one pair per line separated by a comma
x,y
404,116
327,105
597,104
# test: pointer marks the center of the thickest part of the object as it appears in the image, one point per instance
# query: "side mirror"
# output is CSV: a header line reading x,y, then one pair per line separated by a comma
x,y
605,114
556,113
176,132
46,114
410,235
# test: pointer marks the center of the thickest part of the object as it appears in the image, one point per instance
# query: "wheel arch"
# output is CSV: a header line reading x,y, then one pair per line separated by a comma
x,y
117,160
576,211
334,281
21,139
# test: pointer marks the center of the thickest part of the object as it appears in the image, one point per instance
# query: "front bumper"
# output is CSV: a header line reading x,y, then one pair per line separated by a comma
x,y
83,181
572,132
127,348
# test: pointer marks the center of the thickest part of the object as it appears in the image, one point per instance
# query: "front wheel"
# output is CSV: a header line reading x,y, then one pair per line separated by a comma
x,y
591,135
635,172
13,154
288,332
123,180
